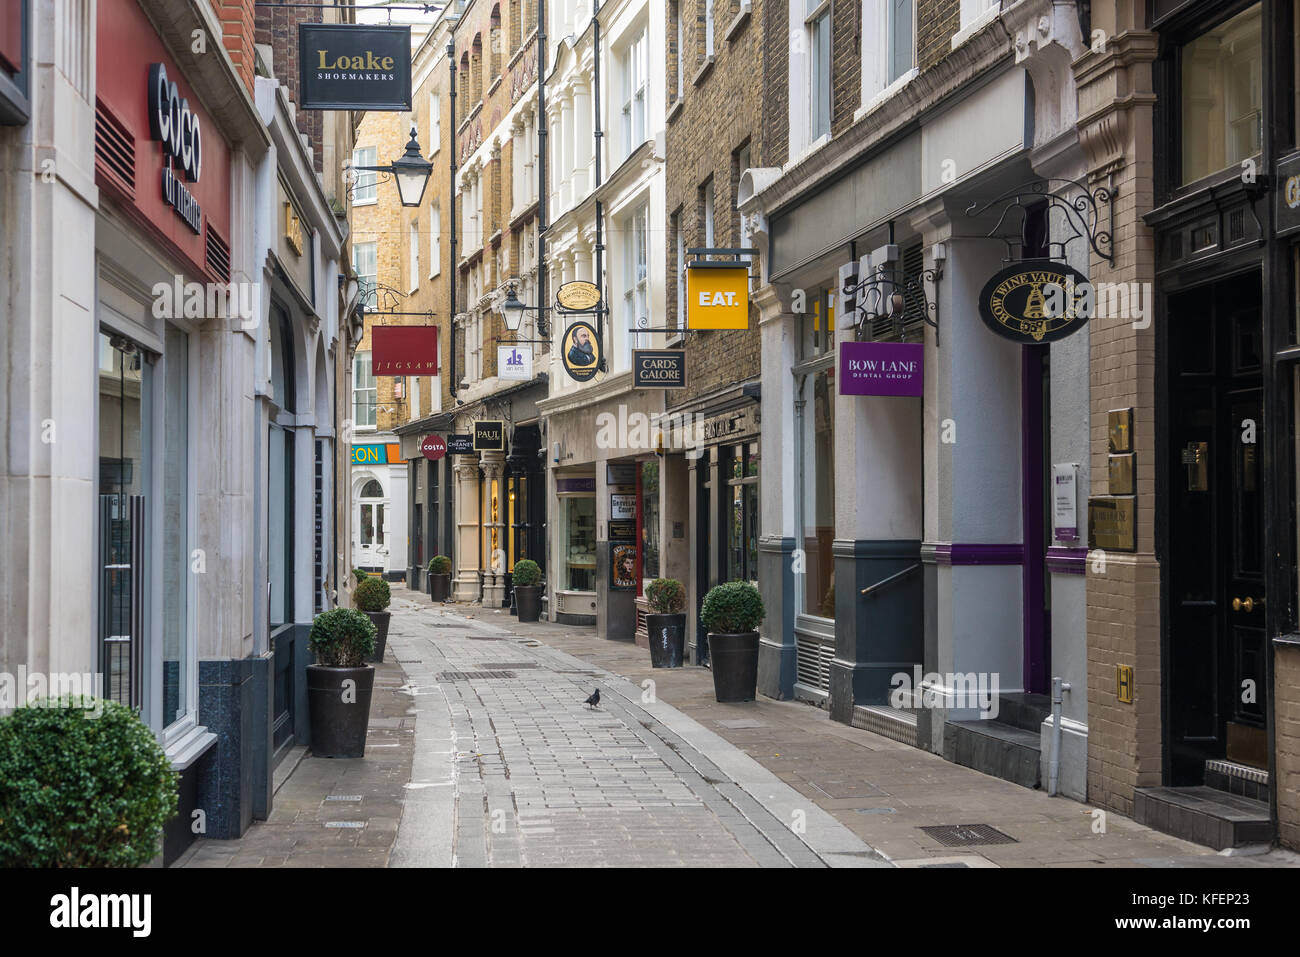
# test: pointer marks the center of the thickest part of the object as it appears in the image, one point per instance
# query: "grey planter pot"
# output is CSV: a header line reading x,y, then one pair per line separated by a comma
x,y
339,715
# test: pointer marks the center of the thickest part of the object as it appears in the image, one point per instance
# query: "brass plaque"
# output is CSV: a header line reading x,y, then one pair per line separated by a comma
x,y
1196,458
1120,430
1124,683
1122,472
1112,522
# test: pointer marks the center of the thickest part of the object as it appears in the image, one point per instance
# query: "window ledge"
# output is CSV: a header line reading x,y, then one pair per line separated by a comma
x,y
675,110
975,26
705,69
188,748
495,83
365,202
886,94
738,22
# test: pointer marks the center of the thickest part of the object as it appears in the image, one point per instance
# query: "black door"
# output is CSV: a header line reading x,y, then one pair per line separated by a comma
x,y
1215,667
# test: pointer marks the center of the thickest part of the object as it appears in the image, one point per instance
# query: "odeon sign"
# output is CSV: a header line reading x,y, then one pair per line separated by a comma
x,y
172,123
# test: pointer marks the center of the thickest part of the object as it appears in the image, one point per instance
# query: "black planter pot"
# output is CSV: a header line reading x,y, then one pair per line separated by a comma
x,y
734,658
380,618
439,586
339,716
667,640
528,599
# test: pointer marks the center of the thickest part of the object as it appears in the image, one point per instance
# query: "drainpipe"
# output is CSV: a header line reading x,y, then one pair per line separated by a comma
x,y
1054,769
599,264
451,194
543,135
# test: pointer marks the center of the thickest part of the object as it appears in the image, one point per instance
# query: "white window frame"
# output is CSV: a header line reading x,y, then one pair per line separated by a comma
x,y
366,280
435,124
878,77
708,28
710,232
632,67
435,240
363,382
365,192
816,19
636,278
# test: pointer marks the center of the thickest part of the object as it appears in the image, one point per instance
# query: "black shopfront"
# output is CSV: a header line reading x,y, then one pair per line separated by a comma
x,y
1227,356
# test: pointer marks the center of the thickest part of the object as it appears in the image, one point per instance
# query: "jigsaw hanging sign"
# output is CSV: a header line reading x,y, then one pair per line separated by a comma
x,y
404,350
346,67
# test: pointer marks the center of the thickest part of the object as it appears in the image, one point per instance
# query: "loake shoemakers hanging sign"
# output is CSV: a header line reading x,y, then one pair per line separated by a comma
x,y
344,67
1038,301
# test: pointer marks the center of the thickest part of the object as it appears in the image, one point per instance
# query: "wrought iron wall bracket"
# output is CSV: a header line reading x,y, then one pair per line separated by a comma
x,y
1081,206
892,293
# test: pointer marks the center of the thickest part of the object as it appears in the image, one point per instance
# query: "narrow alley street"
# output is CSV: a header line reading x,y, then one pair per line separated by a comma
x,y
481,753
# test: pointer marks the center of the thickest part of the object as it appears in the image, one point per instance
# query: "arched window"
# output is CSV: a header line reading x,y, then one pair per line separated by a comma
x,y
372,489
515,26
496,41
476,71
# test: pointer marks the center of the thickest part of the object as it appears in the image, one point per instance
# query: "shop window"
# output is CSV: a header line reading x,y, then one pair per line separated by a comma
x,y
817,324
740,468
650,519
1221,83
125,401
817,511
580,543
176,528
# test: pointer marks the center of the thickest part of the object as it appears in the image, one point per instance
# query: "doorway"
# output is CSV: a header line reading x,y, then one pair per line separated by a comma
x,y
1214,662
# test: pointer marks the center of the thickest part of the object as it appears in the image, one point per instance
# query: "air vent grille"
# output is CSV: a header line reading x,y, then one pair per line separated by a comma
x,y
114,149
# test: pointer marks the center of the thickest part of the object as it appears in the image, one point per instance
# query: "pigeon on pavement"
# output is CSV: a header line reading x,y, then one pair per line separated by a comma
x,y
594,700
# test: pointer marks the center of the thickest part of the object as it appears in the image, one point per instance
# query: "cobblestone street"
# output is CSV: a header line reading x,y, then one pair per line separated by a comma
x,y
481,753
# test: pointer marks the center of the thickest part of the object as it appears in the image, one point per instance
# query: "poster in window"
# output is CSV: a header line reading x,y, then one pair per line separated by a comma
x,y
623,566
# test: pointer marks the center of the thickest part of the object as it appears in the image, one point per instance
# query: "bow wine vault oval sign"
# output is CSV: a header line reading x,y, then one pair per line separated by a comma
x,y
1035,302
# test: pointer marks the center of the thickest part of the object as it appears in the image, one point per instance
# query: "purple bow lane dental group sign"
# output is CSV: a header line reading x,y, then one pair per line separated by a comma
x,y
881,368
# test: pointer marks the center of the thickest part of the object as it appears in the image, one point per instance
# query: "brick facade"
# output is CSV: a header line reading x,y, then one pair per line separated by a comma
x,y
720,111
278,29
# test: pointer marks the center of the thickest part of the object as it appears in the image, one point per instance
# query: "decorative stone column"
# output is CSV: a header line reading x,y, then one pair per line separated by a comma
x,y
494,529
582,138
465,586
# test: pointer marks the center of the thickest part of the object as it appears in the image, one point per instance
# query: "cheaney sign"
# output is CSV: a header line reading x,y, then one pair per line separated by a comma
x,y
345,67
1033,302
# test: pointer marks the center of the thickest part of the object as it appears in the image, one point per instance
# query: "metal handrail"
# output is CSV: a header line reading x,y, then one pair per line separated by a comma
x,y
867,592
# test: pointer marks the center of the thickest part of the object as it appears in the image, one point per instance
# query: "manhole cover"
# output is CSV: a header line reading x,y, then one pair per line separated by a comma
x,y
470,675
345,823
485,638
968,835
343,797
507,665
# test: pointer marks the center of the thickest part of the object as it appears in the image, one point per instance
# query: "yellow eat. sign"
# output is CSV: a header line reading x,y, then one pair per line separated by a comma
x,y
717,298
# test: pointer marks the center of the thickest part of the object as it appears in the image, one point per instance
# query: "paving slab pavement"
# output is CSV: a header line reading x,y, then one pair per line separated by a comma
x,y
481,754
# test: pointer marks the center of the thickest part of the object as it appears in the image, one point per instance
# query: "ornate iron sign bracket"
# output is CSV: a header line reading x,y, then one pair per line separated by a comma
x,y
1082,211
891,293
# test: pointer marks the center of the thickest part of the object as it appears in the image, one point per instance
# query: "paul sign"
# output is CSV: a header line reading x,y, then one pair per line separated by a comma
x,y
1035,302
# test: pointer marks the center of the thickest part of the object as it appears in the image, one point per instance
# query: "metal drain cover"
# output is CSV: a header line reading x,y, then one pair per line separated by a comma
x,y
507,665
967,835
471,675
485,638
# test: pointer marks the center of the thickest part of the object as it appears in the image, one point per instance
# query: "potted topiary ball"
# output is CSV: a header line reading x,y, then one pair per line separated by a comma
x,y
340,683
667,625
372,597
83,783
528,590
439,577
731,613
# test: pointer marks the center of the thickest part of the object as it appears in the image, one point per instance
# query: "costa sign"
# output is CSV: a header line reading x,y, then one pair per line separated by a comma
x,y
433,447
